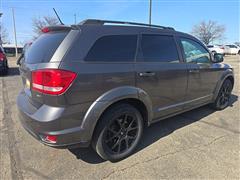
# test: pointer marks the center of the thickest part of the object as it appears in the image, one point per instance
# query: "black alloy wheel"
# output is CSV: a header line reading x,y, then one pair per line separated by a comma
x,y
224,95
118,133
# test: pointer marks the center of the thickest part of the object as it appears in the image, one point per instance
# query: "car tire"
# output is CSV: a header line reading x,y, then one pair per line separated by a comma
x,y
118,132
238,52
224,95
5,71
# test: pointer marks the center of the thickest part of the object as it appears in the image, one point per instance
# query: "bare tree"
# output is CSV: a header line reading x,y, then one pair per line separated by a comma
x,y
237,43
39,23
209,31
4,34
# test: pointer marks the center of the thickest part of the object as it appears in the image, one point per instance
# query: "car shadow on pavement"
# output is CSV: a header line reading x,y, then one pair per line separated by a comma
x,y
87,154
155,131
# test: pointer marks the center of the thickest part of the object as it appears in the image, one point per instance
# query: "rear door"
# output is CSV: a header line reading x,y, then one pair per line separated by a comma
x,y
161,74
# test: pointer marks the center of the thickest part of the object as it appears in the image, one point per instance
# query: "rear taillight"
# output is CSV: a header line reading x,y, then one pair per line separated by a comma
x,y
52,81
221,47
2,57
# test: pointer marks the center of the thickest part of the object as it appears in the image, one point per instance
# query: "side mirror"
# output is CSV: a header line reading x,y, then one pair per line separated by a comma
x,y
217,58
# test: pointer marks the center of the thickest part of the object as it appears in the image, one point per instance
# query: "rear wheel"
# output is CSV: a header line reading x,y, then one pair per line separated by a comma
x,y
223,98
239,52
118,132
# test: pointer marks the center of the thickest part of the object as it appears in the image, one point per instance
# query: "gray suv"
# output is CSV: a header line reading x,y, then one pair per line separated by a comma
x,y
100,82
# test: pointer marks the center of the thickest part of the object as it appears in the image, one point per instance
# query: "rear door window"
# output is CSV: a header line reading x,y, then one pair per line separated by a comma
x,y
159,48
113,48
44,47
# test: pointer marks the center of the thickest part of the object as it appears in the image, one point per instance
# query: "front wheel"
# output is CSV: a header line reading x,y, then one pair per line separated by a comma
x,y
118,132
223,98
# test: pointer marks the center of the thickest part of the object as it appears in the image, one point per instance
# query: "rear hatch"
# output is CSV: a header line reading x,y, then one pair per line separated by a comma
x,y
40,56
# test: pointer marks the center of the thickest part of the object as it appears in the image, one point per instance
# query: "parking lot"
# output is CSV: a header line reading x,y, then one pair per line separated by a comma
x,y
201,143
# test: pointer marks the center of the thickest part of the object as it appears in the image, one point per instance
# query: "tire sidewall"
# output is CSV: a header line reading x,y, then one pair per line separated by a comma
x,y
107,120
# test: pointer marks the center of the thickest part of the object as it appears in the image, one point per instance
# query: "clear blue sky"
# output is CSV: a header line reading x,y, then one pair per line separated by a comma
x,y
180,14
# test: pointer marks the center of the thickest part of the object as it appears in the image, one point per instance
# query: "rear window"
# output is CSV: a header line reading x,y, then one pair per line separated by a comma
x,y
44,47
114,48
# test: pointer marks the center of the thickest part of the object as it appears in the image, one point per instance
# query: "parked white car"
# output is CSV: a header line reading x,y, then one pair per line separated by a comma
x,y
232,49
216,49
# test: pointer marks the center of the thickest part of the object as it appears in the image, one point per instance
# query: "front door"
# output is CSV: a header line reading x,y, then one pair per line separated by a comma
x,y
202,76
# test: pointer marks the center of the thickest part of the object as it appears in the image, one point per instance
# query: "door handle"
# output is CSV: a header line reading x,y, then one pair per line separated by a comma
x,y
194,71
147,74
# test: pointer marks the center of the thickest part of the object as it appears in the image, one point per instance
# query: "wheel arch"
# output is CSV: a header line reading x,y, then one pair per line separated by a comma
x,y
128,94
229,75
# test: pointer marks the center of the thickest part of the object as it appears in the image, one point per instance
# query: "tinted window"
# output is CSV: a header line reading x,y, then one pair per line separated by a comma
x,y
158,48
194,52
20,50
44,47
9,50
210,46
232,46
114,48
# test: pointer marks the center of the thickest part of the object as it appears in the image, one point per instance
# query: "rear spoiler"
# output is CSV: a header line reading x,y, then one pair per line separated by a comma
x,y
56,28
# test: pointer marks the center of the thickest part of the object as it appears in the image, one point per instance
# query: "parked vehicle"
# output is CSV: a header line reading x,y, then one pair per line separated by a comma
x,y
98,84
216,49
232,49
10,49
3,62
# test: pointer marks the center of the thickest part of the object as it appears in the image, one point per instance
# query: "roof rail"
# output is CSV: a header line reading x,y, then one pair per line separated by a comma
x,y
102,22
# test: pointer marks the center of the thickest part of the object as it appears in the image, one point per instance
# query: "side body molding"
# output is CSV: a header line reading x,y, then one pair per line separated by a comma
x,y
103,102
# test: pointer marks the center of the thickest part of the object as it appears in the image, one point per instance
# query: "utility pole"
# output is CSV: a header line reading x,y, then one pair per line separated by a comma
x,y
1,29
75,18
15,34
150,12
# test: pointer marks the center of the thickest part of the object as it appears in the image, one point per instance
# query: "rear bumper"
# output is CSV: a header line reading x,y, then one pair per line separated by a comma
x,y
65,123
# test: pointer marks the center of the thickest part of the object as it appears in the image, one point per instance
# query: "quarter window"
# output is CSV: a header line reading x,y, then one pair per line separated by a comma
x,y
114,48
159,48
194,52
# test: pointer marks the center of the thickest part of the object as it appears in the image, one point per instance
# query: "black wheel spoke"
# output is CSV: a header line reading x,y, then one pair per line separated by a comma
x,y
111,138
121,133
116,144
119,122
130,124
113,131
131,137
